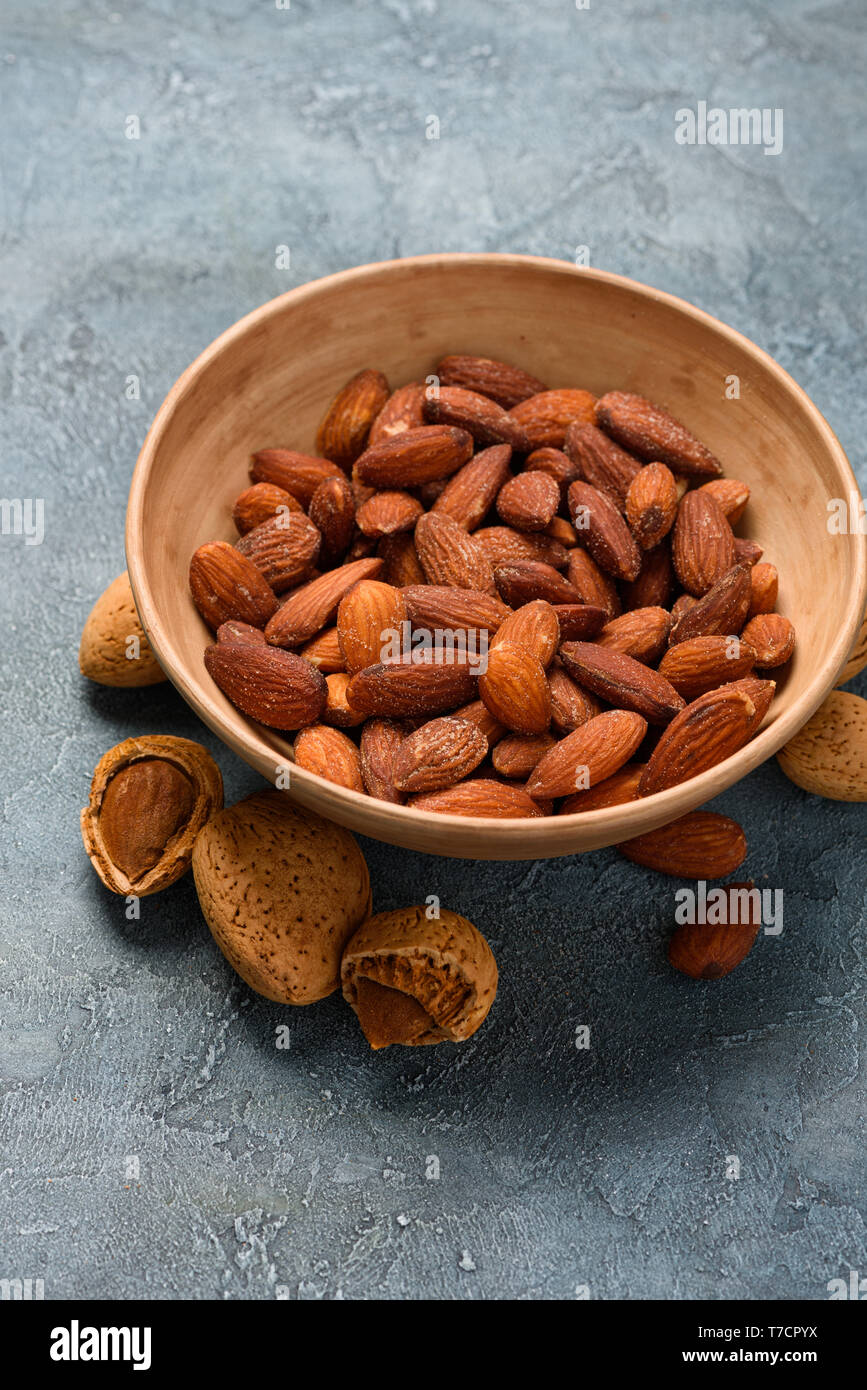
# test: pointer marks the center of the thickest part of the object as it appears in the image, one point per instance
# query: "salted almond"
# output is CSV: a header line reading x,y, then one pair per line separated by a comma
x,y
523,581
650,432
732,496
469,494
478,713
652,588
773,638
557,464
622,681
760,692
529,501
259,503
708,951
312,607
401,412
516,755
651,504
400,562
502,545
591,584
388,513
600,462
415,456
704,663
703,547
329,754
710,729
719,612
414,687
480,416
369,618
642,634
579,621
617,790
506,385
699,845
338,710
545,417
535,627
829,756
449,556
275,688
284,549
380,740
571,705
515,689
226,585
440,606
588,755
603,531
679,608
292,471
439,754
323,651
234,631
343,433
332,512
764,585
747,552
559,529
480,796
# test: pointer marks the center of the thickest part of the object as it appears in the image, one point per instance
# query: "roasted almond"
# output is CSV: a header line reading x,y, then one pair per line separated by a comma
x,y
387,513
469,494
369,620
259,503
443,751
761,692
622,681
449,556
641,633
699,845
764,585
603,531
401,412
400,563
284,549
747,552
330,754
480,796
275,688
721,611
652,588
529,501
709,730
591,584
650,432
522,581
343,433
515,689
601,462
617,790
535,627
588,755
226,585
703,663
332,511
297,473
478,713
506,385
234,631
312,607
415,456
405,689
571,705
338,711
502,545
707,951
556,464
579,620
516,755
773,638
380,740
480,416
545,417
651,504
732,496
703,547
436,606
323,652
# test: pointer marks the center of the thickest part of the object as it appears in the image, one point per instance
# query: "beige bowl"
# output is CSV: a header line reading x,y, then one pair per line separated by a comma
x,y
267,380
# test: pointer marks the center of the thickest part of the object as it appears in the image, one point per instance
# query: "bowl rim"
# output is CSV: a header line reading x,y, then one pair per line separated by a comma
x,y
667,804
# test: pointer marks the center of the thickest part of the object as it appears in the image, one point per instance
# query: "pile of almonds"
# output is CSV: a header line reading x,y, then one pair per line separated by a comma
x,y
587,543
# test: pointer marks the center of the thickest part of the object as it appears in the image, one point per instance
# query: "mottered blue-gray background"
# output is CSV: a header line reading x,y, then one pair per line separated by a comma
x,y
302,1172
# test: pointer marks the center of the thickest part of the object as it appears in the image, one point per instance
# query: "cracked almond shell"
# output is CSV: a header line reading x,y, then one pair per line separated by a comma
x,y
415,980
149,798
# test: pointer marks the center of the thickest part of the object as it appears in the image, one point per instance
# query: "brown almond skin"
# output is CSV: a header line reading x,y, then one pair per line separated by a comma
x,y
388,513
525,581
276,688
480,796
650,432
406,689
343,433
329,754
367,618
703,663
469,494
747,552
761,692
732,495
332,512
516,755
297,473
764,585
284,549
591,584
312,607
556,464
579,620
622,681
416,456
642,633
617,790
478,713
773,638
515,689
571,705
449,556
226,585
719,612
546,417
503,545
652,588
535,626
400,562
241,632
707,951
595,751
506,385
699,845
710,729
259,503
703,547
106,654
401,412
338,713
443,751
651,504
380,741
435,606
323,652
603,531
480,416
529,501
601,462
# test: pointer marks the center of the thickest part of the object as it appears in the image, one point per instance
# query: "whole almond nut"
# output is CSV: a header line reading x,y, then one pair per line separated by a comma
x,y
469,494
617,790
622,681
480,416
400,563
556,464
408,688
284,549
449,556
276,688
323,652
773,638
388,513
480,796
478,713
401,412
578,621
641,633
761,692
601,462
650,432
368,619
719,612
571,706
707,951
225,585
312,607
703,547
332,512
708,731
241,632
732,496
439,606
529,501
681,607
149,798
603,531
297,473
559,529
699,845
380,741
516,755
502,545
545,417
439,754
338,712
704,663
114,649
330,754
259,503
651,504
535,627
829,756
343,433
515,689
506,385
415,456
591,584
652,588
764,585
588,755
747,552
523,581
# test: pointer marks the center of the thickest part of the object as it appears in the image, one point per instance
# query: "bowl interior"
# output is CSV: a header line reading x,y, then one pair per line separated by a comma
x,y
268,380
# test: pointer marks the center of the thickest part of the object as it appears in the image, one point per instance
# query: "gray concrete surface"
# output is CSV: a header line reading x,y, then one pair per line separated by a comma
x,y
153,1140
